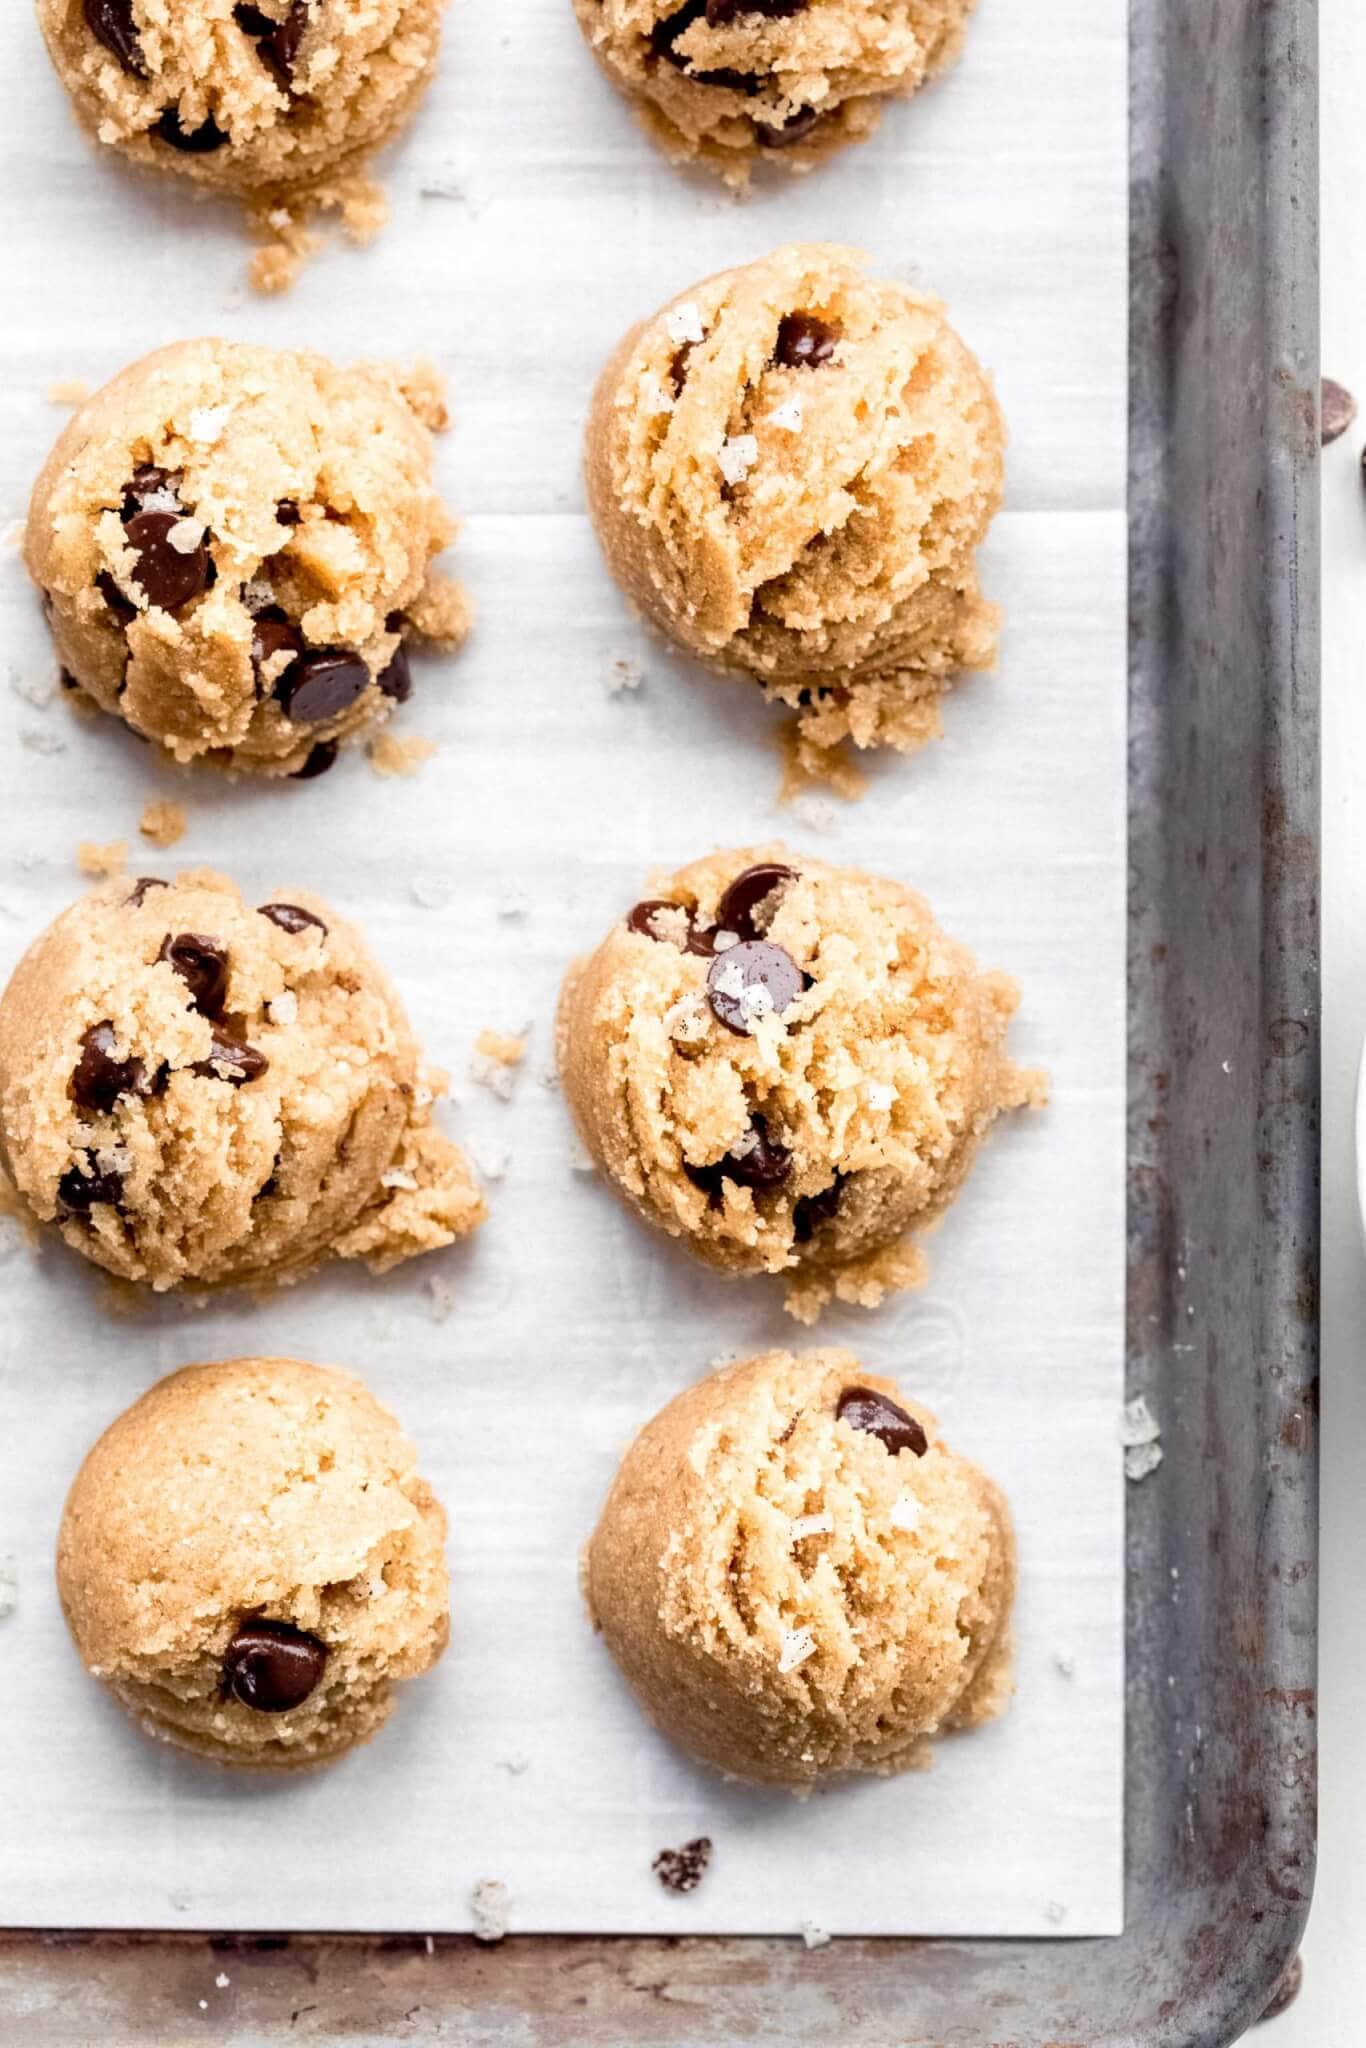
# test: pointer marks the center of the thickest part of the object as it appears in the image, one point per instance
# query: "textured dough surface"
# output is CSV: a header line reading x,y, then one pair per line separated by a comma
x,y
839,571
332,1151
259,1487
732,87
881,1079
241,432
706,1577
357,70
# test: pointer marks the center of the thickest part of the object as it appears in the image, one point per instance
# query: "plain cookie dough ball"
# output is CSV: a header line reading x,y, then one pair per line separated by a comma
x,y
790,468
200,1093
788,1066
249,1561
735,83
797,1577
250,99
234,546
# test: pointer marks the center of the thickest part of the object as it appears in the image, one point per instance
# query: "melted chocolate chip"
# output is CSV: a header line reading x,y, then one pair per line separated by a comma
x,y
735,911
277,42
321,683
784,134
804,342
122,607
292,918
396,681
168,577
272,1666
760,1162
641,919
749,981
99,1079
147,481
678,367
231,1059
272,633
810,1211
81,1187
320,759
202,964
141,889
876,1416
111,23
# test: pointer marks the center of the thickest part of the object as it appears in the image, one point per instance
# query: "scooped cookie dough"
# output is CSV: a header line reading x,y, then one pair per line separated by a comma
x,y
249,1561
790,468
199,1093
788,1066
235,550
735,83
277,101
798,1578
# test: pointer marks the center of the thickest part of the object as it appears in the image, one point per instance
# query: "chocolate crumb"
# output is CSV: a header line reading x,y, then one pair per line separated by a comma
x,y
682,1870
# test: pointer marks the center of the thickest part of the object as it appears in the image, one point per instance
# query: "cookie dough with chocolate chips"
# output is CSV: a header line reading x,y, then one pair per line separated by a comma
x,y
199,1093
235,549
790,468
250,1561
733,84
798,1578
266,101
788,1066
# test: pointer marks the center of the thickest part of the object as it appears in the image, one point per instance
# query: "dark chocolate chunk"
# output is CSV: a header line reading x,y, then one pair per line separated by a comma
x,y
81,1187
682,1870
748,981
697,941
231,1059
759,1162
321,683
665,35
320,759
804,342
99,1079
111,23
810,1211
277,41
141,889
122,607
396,681
678,367
878,1416
200,141
272,1666
202,964
735,911
292,918
167,577
783,134
287,512
272,632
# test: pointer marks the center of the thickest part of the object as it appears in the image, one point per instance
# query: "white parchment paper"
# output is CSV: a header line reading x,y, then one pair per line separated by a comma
x,y
531,224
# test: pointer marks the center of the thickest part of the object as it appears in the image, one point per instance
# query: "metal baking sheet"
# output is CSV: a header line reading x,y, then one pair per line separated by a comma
x,y
1223,1238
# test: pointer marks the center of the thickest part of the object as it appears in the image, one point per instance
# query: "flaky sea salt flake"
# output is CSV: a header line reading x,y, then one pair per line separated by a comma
x,y
1138,1425
736,457
207,423
814,1935
822,1524
905,1512
788,415
684,323
798,1644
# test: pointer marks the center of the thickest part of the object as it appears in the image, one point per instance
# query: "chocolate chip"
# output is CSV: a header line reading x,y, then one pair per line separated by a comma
x,y
751,980
321,683
758,1162
272,633
80,1188
810,1211
200,141
272,1666
277,41
641,919
735,911
1337,410
876,1416
320,759
666,33
287,512
231,1059
804,342
111,23
140,890
682,1870
202,964
678,367
785,133
396,681
122,607
167,577
147,481
99,1079
292,918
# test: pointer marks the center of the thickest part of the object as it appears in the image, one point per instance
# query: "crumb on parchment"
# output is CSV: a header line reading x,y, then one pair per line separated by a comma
x,y
68,391
163,823
102,861
683,1869
491,1903
808,766
389,755
283,226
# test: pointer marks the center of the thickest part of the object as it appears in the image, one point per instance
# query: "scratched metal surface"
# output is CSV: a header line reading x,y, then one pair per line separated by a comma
x,y
1223,1232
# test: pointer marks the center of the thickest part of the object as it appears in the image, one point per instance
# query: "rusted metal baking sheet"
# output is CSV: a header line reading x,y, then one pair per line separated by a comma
x,y
1223,1246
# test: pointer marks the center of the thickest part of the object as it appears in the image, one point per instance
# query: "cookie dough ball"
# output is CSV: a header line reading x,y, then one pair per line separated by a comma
x,y
249,1561
797,1577
788,1066
252,99
234,546
734,83
790,468
196,1092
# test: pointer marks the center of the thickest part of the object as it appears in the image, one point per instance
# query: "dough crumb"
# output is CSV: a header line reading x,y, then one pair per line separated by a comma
x,y
39,742
492,1160
68,391
289,241
441,1297
36,691
1138,1425
102,861
389,755
682,1870
495,1060
491,1904
623,676
808,765
1141,1459
814,1935
162,822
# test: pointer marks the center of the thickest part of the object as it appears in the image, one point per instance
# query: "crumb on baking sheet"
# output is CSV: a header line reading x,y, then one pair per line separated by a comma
x,y
162,822
807,766
814,1935
389,755
494,1062
288,240
1140,1433
491,1904
68,391
102,861
441,1297
682,1870
623,676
